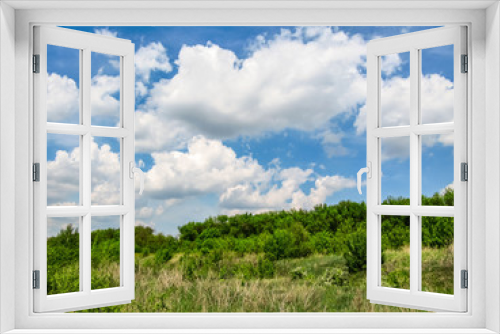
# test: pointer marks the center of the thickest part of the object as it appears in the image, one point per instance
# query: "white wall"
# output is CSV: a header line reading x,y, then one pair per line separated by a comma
x,y
7,160
492,164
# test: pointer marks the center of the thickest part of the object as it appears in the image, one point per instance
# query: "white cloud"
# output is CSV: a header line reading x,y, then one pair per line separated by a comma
x,y
249,197
207,167
104,103
391,63
252,196
62,99
140,89
152,57
332,143
105,175
437,99
64,176
446,189
436,104
297,80
106,32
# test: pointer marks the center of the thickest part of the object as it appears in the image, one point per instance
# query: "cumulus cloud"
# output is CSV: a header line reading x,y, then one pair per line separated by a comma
x,y
436,102
241,183
298,79
63,175
140,89
62,99
391,63
207,167
104,102
106,32
251,198
437,99
106,174
152,57
436,105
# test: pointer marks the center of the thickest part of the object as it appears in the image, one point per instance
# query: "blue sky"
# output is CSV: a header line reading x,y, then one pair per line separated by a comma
x,y
247,119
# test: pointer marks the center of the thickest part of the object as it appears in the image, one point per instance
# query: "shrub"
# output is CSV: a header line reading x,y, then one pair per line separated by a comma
x,y
265,268
298,273
338,276
355,250
163,255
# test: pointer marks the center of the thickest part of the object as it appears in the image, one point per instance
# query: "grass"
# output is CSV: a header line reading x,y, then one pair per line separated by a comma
x,y
318,283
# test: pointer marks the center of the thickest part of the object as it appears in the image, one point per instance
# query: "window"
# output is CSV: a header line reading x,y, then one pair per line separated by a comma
x,y
415,129
86,200
476,18
278,221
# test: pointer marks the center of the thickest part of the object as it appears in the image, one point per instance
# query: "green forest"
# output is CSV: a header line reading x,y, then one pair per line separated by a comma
x,y
286,261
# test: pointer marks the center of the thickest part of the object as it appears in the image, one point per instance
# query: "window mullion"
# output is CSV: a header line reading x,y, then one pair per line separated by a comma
x,y
414,171
85,161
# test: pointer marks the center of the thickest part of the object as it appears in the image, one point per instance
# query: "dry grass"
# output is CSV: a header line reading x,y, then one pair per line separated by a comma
x,y
166,289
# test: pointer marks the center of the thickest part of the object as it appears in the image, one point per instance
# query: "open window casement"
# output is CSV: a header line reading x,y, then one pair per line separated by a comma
x,y
415,128
76,110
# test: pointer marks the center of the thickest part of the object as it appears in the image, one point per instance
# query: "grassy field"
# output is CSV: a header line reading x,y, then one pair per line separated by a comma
x,y
318,283
287,261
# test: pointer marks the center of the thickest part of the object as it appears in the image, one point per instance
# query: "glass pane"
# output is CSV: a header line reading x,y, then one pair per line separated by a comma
x,y
105,252
437,254
395,170
395,91
437,170
396,252
436,97
63,255
105,90
63,169
63,85
106,171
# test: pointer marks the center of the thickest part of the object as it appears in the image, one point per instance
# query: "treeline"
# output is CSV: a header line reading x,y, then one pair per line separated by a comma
x,y
327,229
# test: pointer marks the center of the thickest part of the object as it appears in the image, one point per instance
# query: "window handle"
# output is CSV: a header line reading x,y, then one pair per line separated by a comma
x,y
137,170
368,171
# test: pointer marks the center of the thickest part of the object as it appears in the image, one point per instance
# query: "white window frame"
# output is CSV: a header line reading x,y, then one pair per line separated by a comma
x,y
484,49
85,43
413,43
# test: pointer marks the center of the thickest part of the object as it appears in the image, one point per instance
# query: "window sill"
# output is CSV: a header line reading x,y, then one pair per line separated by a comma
x,y
251,331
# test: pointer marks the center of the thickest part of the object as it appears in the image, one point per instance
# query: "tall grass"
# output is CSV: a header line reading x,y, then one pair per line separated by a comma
x,y
299,285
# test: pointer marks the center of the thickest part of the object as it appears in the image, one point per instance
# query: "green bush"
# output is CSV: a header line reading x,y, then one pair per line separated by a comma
x,y
355,250
265,268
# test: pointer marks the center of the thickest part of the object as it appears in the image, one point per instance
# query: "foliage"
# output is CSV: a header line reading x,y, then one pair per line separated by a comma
x,y
320,252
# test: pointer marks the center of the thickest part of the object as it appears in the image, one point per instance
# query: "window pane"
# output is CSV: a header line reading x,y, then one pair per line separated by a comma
x,y
396,252
63,255
395,170
436,96
106,171
437,254
63,85
105,252
395,91
105,90
63,170
437,170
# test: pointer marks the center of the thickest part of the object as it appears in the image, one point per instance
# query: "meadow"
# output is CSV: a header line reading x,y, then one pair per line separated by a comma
x,y
286,261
